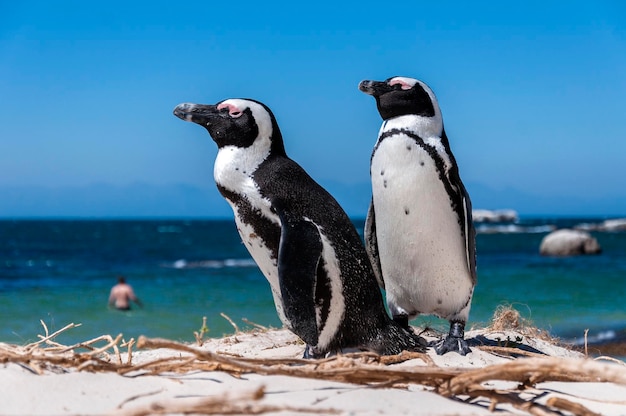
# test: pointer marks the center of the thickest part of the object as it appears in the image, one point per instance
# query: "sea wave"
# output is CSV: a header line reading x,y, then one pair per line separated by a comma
x,y
211,264
601,337
513,229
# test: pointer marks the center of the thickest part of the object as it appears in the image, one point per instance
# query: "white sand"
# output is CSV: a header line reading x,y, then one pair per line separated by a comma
x,y
85,393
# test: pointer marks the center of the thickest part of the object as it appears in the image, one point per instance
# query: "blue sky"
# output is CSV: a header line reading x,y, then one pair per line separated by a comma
x,y
533,94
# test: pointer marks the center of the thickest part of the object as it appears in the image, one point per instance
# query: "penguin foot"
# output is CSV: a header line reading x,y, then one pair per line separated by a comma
x,y
393,339
312,352
451,343
454,341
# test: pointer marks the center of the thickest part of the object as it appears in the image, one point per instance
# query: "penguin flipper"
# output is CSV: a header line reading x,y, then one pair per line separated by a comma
x,y
470,234
464,210
468,225
299,253
371,244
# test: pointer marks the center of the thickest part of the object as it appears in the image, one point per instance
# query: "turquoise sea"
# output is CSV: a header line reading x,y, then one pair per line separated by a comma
x,y
61,271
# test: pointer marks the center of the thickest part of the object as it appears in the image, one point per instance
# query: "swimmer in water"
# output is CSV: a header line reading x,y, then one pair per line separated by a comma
x,y
122,294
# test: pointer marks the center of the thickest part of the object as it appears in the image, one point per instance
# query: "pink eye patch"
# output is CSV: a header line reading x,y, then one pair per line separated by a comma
x,y
233,111
403,84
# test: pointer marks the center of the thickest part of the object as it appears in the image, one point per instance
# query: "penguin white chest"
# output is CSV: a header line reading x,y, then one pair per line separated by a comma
x,y
421,244
233,171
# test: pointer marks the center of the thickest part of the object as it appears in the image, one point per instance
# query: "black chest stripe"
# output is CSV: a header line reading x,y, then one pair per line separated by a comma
x,y
265,229
456,199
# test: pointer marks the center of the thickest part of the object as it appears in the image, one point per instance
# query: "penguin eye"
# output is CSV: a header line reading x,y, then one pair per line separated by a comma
x,y
235,114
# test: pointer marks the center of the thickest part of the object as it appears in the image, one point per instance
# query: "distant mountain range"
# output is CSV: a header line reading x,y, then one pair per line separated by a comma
x,y
355,200
103,200
145,200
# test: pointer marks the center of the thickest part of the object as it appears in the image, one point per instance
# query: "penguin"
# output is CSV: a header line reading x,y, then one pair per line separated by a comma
x,y
419,232
322,281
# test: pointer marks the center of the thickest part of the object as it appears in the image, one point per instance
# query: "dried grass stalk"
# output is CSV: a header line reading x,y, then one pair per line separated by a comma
x,y
255,325
575,408
366,369
361,369
230,321
350,368
507,318
531,371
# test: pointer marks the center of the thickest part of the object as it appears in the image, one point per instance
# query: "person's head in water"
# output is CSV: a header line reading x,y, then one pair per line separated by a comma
x,y
121,279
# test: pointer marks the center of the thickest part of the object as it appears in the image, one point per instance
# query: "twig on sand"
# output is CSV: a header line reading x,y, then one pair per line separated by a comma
x,y
531,371
257,326
611,359
237,331
48,338
199,335
567,405
508,351
128,344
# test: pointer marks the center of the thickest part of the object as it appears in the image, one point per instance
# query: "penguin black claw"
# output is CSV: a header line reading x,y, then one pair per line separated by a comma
x,y
312,353
451,344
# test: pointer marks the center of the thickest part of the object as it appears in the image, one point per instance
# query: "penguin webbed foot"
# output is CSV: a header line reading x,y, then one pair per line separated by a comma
x,y
454,341
311,352
396,338
449,344
420,343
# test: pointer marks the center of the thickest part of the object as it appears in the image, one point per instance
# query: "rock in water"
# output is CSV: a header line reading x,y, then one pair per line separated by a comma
x,y
568,242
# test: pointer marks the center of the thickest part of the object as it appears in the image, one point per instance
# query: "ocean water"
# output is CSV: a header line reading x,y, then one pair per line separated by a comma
x,y
61,272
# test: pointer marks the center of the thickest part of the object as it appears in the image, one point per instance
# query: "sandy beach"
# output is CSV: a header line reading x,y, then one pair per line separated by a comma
x,y
261,372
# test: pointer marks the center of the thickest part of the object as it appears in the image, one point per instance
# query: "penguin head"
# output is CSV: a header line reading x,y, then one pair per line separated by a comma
x,y
399,96
235,122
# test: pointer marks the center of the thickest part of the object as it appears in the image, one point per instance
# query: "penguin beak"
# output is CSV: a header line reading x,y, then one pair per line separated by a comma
x,y
196,113
374,88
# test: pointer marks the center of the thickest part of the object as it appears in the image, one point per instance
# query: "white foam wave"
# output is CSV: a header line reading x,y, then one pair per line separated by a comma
x,y
600,337
513,229
212,264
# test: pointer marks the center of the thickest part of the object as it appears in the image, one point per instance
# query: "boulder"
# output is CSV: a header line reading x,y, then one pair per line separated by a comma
x,y
568,242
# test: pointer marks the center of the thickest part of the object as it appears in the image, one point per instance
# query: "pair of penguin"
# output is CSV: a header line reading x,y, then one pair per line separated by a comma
x,y
419,236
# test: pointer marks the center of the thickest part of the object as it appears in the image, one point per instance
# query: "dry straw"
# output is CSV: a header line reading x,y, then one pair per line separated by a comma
x,y
103,354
